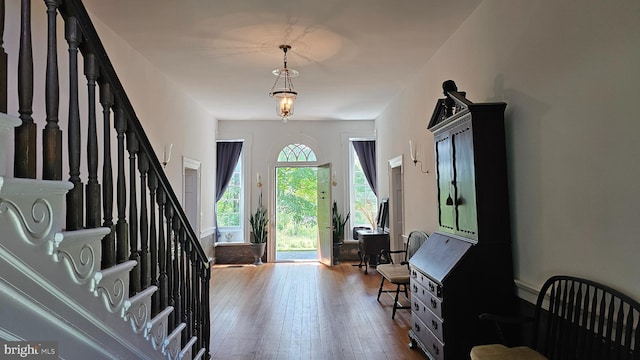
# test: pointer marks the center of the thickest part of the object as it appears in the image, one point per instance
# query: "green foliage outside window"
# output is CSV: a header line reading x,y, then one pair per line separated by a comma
x,y
365,201
229,204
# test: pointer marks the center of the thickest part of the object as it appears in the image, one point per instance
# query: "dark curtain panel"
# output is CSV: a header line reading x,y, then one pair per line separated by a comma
x,y
366,151
227,155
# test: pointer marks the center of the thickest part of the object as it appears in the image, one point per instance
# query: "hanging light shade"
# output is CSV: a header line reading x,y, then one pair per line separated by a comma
x,y
282,88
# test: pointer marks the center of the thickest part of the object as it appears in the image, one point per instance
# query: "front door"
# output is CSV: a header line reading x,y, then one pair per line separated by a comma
x,y
325,247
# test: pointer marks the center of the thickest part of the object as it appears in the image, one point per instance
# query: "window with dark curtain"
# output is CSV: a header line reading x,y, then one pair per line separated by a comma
x,y
366,151
227,155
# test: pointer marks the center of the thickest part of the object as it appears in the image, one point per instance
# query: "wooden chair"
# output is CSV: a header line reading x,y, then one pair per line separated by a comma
x,y
398,274
575,319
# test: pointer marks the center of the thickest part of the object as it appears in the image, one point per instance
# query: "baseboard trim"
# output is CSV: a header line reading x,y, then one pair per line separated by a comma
x,y
526,291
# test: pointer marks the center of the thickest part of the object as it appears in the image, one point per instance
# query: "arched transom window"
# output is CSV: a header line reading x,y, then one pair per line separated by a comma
x,y
296,153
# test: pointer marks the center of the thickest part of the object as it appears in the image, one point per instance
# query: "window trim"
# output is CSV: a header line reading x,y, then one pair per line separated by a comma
x,y
297,144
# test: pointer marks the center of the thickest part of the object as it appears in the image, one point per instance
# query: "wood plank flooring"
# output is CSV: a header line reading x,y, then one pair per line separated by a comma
x,y
304,311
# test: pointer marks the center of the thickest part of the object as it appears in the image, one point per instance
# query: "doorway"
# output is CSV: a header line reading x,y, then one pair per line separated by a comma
x,y
191,192
396,199
296,230
303,214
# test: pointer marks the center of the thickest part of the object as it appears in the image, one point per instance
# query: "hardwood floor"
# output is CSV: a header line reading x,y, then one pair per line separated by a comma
x,y
304,311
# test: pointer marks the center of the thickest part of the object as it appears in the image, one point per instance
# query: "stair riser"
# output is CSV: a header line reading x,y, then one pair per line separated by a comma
x,y
7,126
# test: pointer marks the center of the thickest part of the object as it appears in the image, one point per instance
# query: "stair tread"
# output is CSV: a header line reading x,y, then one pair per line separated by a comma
x,y
19,186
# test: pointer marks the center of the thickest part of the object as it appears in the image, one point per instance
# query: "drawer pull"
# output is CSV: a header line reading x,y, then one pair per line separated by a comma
x,y
434,324
432,287
416,306
434,304
416,326
415,288
436,349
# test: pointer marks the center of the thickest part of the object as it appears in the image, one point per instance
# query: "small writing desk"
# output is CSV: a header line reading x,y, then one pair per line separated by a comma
x,y
370,244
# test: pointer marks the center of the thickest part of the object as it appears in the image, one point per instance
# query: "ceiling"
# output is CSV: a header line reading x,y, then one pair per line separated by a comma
x,y
354,56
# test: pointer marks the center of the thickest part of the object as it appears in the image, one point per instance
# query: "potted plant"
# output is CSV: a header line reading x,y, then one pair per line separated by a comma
x,y
259,222
338,232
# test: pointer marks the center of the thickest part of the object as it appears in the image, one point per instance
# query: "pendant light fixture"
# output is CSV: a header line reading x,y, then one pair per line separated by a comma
x,y
283,89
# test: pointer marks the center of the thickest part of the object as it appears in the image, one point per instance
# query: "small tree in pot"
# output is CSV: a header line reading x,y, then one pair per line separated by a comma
x,y
338,231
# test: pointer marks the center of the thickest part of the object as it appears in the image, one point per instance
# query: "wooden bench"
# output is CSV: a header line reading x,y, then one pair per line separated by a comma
x,y
575,319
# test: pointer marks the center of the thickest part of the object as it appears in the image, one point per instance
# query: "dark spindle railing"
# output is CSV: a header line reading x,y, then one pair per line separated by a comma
x,y
51,134
151,226
203,319
187,294
145,271
75,196
24,166
164,229
174,279
93,188
195,297
3,63
153,242
132,147
122,228
169,251
109,241
182,283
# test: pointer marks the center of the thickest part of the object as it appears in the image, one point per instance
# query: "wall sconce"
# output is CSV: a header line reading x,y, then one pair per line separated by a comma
x,y
259,181
413,152
166,155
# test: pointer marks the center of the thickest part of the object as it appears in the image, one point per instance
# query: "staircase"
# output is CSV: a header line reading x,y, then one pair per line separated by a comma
x,y
52,286
133,288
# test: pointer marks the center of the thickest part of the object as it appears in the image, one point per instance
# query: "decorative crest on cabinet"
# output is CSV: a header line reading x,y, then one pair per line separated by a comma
x,y
455,103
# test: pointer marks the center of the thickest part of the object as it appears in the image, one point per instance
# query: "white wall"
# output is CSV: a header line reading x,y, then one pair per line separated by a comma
x,y
569,73
264,140
166,113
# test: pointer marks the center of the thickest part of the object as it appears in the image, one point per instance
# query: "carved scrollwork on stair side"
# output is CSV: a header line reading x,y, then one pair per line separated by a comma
x,y
171,345
138,309
113,283
82,249
82,261
114,294
138,316
34,229
156,329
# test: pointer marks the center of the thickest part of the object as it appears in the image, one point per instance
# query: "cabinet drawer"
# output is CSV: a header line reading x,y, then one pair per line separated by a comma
x,y
424,280
433,303
432,322
429,342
